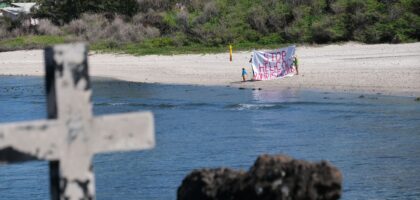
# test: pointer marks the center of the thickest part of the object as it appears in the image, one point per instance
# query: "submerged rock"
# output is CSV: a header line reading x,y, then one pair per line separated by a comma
x,y
207,184
271,177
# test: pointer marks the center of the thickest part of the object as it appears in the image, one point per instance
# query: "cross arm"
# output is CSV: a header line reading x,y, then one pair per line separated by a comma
x,y
123,132
24,141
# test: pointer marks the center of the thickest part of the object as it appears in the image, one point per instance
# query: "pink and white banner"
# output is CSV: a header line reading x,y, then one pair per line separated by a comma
x,y
274,64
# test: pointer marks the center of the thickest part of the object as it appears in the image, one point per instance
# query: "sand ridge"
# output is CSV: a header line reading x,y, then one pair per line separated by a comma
x,y
391,69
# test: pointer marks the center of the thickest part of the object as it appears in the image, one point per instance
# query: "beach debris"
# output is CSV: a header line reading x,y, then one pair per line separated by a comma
x,y
271,177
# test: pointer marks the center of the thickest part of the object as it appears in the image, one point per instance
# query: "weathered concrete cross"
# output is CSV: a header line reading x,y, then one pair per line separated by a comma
x,y
71,136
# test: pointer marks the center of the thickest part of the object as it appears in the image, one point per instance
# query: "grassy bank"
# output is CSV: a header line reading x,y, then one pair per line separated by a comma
x,y
159,46
151,47
30,42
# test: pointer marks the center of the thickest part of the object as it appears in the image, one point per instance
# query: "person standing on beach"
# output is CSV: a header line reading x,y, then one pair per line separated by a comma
x,y
250,61
295,63
244,74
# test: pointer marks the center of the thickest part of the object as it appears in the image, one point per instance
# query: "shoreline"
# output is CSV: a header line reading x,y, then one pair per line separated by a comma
x,y
338,90
388,69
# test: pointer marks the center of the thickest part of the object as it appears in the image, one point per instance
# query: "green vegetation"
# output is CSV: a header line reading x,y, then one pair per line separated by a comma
x,y
202,26
61,12
156,46
30,42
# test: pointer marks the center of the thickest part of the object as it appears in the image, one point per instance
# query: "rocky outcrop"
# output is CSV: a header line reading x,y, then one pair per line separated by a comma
x,y
271,177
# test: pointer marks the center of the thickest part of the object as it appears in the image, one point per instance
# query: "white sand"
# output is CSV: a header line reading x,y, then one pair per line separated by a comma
x,y
384,68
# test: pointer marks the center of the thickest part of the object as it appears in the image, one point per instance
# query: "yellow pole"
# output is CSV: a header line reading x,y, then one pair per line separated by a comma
x,y
230,50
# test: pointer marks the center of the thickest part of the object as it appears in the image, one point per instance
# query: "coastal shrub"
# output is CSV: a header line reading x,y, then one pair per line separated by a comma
x,y
64,11
249,35
151,32
155,19
46,27
258,21
210,11
209,35
22,28
160,42
406,25
182,20
158,5
3,29
180,39
124,32
327,29
118,31
3,33
89,27
95,28
279,17
368,34
194,5
15,28
76,27
358,16
273,38
412,6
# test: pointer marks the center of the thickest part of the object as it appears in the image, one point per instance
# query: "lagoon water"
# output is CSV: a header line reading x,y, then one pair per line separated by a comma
x,y
373,139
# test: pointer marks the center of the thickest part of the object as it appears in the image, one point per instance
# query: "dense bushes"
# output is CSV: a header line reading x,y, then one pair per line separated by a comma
x,y
220,22
64,11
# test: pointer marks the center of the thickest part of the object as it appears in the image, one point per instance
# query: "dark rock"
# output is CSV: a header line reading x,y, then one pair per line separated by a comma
x,y
271,177
207,184
242,88
417,99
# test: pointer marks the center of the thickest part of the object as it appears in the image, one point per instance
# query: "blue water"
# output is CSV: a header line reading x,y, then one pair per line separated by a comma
x,y
373,139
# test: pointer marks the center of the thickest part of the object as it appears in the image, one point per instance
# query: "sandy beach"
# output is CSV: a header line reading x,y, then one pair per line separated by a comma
x,y
389,69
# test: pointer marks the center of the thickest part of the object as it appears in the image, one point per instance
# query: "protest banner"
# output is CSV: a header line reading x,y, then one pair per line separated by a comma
x,y
267,65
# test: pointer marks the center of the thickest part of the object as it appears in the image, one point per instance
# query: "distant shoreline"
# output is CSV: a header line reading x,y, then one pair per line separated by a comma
x,y
389,69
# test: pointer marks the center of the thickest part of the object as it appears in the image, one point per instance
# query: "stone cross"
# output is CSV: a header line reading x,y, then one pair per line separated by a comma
x,y
71,135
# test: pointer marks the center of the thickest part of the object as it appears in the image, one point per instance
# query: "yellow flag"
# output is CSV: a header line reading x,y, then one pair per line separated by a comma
x,y
230,50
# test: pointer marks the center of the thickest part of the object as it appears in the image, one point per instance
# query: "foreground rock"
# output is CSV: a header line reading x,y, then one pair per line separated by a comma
x,y
271,177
